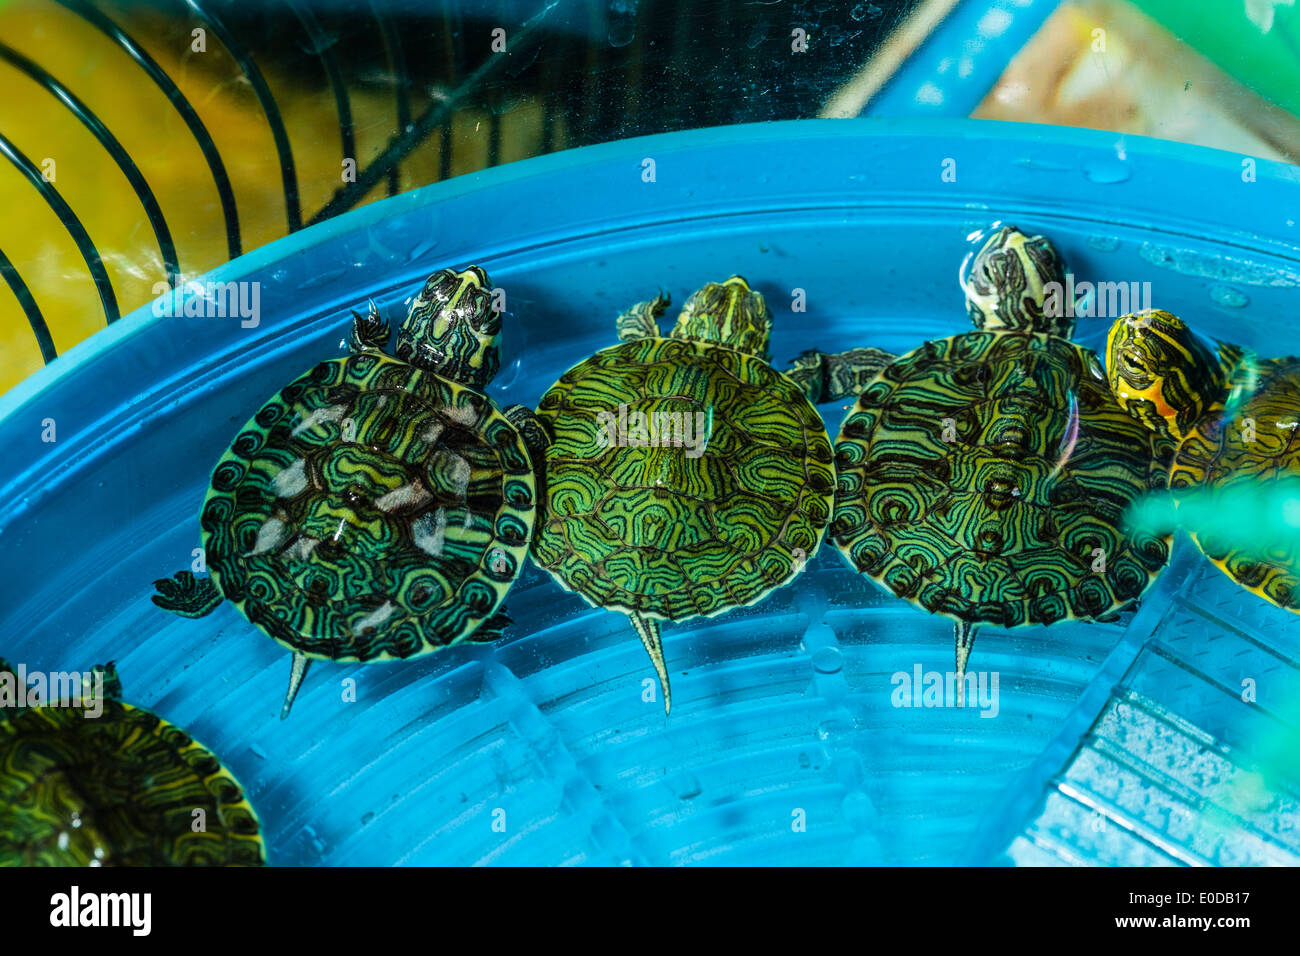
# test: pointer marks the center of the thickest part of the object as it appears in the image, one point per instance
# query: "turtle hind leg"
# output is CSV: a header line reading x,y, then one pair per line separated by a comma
x,y
642,320
491,630
186,595
532,428
111,683
297,671
648,630
825,377
370,332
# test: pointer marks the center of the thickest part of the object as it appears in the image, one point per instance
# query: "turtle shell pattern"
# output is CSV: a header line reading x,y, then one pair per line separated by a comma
x,y
120,789
370,511
1221,451
654,531
979,474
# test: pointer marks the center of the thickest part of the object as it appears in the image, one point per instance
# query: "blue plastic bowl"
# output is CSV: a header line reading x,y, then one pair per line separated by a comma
x,y
783,745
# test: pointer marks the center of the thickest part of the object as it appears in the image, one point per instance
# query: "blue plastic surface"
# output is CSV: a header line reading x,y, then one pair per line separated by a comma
x,y
960,60
784,745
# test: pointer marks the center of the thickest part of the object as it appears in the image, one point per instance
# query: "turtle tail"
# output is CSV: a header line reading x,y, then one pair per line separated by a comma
x,y
964,631
648,630
296,673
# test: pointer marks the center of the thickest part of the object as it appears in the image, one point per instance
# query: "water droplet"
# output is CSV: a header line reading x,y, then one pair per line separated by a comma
x,y
621,31
685,786
622,22
828,660
833,727
323,277
1228,296
1107,171
421,249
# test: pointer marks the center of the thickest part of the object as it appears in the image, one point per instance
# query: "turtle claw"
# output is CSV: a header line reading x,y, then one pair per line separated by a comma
x,y
371,332
491,630
186,595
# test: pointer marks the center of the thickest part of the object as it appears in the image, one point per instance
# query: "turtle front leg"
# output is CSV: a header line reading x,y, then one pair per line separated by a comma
x,y
491,630
371,332
642,320
825,377
186,595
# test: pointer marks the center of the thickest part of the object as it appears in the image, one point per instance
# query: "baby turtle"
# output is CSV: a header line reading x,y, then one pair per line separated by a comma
x,y
1233,417
985,476
375,508
108,784
685,476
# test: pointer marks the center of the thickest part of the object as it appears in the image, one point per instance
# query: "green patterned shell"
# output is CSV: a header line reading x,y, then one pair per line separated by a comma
x,y
985,476
118,789
370,511
1220,453
671,535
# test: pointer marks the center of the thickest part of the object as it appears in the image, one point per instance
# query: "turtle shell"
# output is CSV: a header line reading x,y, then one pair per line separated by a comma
x,y
985,477
120,789
674,531
1254,444
370,511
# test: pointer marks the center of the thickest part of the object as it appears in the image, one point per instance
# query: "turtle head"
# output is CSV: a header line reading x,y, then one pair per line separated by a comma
x,y
452,328
1017,282
729,313
1162,374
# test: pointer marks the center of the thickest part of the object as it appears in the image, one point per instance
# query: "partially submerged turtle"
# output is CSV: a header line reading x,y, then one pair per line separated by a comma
x,y
685,476
1233,417
375,508
985,476
109,784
